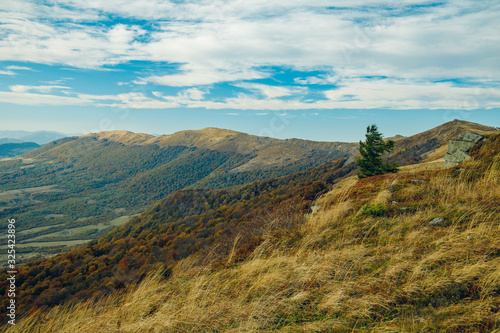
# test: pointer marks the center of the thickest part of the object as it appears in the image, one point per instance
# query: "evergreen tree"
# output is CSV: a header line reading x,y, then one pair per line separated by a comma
x,y
371,163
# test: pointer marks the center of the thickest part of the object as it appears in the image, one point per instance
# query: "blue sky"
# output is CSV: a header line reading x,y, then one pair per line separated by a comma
x,y
320,71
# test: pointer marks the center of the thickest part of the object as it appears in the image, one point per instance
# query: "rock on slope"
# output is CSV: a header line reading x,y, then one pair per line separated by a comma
x,y
458,149
432,145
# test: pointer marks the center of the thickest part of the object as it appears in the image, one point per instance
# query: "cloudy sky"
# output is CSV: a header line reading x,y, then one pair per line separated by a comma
x,y
319,70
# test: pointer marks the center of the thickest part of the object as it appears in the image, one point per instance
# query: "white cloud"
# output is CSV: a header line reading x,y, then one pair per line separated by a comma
x,y
22,68
354,94
230,41
194,94
405,94
43,89
26,98
202,76
133,100
269,91
76,45
321,79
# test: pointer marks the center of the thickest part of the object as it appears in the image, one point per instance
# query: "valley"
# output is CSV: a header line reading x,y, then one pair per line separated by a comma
x,y
247,167
317,249
83,187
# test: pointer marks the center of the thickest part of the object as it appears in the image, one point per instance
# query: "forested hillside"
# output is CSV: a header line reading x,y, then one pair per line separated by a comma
x,y
75,189
210,225
407,252
15,149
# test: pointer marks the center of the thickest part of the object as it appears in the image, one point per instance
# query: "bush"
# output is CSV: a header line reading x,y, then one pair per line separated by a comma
x,y
377,209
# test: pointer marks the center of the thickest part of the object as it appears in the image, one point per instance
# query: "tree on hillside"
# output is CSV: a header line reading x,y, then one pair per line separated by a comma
x,y
371,163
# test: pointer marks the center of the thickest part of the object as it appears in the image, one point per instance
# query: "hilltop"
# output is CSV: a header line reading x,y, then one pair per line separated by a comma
x,y
431,145
413,251
266,152
75,189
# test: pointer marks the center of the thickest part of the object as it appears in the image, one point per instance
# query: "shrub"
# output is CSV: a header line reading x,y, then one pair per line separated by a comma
x,y
377,209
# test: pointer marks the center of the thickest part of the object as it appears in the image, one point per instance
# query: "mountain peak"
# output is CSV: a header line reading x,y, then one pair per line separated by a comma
x,y
205,137
122,136
210,131
467,125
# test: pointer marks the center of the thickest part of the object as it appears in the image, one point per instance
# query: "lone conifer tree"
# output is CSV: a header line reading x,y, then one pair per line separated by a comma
x,y
371,151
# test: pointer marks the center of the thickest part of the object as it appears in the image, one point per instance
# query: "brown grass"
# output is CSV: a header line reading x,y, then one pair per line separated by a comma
x,y
346,271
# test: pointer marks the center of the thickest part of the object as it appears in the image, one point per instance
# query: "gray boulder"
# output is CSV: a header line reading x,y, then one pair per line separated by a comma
x,y
458,149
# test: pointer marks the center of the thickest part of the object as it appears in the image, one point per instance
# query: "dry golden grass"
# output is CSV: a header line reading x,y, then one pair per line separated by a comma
x,y
426,166
347,271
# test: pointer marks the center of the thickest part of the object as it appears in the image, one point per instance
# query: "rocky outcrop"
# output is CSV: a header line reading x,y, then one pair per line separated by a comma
x,y
458,149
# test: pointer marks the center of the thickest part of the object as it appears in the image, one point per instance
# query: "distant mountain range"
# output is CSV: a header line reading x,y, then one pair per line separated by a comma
x,y
39,137
206,198
84,184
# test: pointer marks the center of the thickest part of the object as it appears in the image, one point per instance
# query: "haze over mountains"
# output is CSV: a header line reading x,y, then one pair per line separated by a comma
x,y
39,137
14,143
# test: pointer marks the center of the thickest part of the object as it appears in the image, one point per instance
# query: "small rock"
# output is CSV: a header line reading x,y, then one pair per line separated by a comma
x,y
417,181
394,203
437,221
315,209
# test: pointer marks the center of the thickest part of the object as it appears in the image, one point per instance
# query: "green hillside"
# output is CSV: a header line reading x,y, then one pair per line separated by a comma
x,y
74,188
15,149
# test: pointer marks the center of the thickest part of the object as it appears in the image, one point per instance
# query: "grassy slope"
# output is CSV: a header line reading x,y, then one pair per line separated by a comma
x,y
187,223
367,260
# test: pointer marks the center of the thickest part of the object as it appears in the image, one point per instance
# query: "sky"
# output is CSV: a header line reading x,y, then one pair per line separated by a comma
x,y
319,70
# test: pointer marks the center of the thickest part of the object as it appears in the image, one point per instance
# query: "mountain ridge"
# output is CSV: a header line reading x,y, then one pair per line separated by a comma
x,y
91,183
315,250
39,137
266,149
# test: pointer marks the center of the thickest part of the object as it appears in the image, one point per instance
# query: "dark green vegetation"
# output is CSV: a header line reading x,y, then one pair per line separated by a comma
x,y
15,149
201,223
372,150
